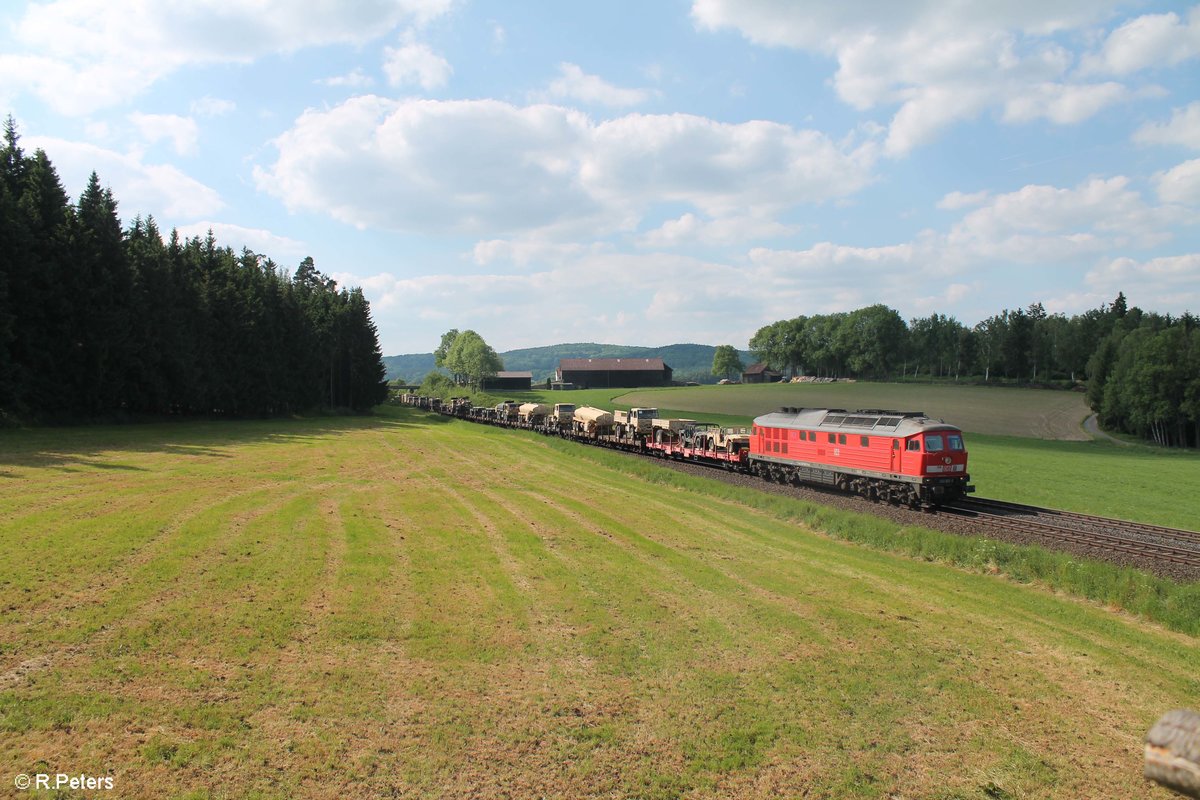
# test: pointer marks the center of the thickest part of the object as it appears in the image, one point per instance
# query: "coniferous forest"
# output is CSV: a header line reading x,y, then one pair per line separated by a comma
x,y
98,322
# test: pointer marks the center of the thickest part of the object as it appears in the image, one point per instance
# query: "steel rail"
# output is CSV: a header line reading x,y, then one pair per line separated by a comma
x,y
1051,515
1105,541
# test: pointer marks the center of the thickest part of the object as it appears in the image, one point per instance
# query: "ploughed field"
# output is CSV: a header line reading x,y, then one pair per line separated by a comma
x,y
416,607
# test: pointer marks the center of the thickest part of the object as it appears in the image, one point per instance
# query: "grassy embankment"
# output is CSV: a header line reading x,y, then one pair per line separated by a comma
x,y
435,609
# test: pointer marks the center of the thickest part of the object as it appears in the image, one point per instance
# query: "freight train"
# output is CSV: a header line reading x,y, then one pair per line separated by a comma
x,y
900,457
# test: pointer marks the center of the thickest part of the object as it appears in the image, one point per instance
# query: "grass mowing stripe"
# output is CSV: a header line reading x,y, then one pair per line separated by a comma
x,y
449,556
538,536
705,603
367,564
181,525
240,593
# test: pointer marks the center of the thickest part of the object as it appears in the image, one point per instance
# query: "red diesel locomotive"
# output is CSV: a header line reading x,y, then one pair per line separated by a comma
x,y
899,456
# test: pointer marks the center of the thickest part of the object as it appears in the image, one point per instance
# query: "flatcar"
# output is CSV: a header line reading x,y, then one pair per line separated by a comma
x,y
902,457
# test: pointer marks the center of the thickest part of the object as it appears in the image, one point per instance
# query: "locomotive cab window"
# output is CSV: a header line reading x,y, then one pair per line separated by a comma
x,y
865,441
895,444
934,444
841,438
914,444
832,439
955,441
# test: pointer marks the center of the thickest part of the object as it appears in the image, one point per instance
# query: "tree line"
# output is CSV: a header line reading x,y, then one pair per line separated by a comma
x,y
100,322
1142,369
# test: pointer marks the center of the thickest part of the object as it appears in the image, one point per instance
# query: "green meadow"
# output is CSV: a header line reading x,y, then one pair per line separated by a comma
x,y
408,606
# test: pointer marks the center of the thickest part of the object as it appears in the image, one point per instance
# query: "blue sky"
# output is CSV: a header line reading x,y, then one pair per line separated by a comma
x,y
642,173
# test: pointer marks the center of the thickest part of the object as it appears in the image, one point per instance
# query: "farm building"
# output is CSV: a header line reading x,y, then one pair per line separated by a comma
x,y
604,373
511,381
761,373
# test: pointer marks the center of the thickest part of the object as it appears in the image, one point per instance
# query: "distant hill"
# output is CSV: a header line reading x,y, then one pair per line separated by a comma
x,y
690,362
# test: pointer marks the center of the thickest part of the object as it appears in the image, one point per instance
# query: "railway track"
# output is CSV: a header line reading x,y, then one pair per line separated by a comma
x,y
1172,545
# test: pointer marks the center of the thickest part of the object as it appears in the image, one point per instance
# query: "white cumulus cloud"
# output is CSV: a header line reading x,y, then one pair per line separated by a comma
x,y
1180,184
492,169
79,56
1062,103
354,79
690,230
937,63
957,200
181,131
1166,283
415,63
286,252
1040,224
574,84
160,190
1183,129
1151,40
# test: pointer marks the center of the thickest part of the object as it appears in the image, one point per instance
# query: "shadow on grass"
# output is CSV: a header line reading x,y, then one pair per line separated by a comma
x,y
101,446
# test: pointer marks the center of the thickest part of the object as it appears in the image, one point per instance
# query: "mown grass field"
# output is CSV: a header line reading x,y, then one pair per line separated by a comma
x,y
1024,444
407,606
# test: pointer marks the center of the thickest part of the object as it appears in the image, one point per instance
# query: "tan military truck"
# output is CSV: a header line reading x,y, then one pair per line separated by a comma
x,y
634,424
670,430
592,422
532,414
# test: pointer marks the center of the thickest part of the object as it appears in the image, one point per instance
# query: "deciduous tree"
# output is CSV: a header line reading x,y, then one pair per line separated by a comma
x,y
726,361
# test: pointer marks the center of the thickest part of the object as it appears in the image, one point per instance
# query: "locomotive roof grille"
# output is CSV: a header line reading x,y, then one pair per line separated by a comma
x,y
868,418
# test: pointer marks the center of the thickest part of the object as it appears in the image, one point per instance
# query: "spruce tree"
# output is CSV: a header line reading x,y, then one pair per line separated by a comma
x,y
43,344
102,284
